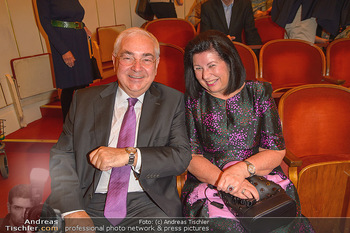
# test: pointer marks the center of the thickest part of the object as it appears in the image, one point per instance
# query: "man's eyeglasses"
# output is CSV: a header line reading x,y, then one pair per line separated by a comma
x,y
129,60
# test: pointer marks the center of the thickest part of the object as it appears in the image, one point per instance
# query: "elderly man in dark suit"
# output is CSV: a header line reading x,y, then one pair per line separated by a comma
x,y
88,151
232,17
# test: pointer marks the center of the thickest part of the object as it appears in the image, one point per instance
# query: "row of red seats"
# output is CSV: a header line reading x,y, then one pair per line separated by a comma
x,y
288,63
284,63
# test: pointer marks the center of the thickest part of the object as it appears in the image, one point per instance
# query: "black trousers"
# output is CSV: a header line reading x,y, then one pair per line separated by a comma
x,y
66,99
164,9
139,206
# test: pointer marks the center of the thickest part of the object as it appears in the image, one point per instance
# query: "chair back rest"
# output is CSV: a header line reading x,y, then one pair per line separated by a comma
x,y
105,38
315,119
290,62
171,69
338,60
331,181
33,74
249,60
268,30
172,31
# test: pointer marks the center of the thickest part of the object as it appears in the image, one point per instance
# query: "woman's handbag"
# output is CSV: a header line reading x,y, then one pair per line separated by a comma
x,y
273,210
144,10
95,71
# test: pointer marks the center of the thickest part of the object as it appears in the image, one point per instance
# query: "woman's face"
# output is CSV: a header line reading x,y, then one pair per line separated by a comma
x,y
212,72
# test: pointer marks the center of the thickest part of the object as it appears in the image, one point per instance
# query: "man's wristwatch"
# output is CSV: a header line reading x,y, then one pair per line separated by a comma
x,y
250,168
131,151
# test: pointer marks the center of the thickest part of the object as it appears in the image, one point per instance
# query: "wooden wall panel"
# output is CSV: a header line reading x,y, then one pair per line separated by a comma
x,y
123,10
25,28
180,10
8,46
91,14
2,99
188,6
106,12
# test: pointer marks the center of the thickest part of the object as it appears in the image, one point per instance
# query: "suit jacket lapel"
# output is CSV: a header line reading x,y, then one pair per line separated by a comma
x,y
221,14
149,110
103,113
235,12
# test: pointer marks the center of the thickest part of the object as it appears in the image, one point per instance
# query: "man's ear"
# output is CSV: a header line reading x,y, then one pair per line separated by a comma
x,y
157,63
114,62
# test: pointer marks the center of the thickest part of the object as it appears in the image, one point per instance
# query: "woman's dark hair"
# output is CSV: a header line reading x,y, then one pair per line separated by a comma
x,y
219,42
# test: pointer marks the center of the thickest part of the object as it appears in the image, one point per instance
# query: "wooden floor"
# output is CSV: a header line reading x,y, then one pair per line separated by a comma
x,y
29,148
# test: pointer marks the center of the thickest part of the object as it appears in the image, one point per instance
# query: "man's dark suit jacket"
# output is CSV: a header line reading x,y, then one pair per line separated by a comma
x,y
162,140
242,18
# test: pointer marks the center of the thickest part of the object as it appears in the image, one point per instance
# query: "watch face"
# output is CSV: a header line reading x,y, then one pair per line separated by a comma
x,y
251,169
130,150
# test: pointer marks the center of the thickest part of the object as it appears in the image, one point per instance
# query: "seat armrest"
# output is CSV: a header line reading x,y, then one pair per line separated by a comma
x,y
333,81
291,160
293,163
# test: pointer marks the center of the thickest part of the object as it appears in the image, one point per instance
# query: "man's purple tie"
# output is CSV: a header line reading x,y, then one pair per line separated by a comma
x,y
115,208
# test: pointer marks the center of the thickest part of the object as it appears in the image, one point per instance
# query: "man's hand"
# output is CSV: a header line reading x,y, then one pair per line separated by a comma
x,y
105,158
79,221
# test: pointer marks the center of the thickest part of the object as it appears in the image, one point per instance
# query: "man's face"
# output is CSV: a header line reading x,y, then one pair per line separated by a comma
x,y
227,2
136,64
17,209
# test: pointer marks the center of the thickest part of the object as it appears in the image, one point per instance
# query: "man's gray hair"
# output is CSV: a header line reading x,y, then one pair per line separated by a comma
x,y
135,31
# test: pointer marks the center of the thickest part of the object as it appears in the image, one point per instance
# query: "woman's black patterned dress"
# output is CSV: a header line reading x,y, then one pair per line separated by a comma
x,y
234,129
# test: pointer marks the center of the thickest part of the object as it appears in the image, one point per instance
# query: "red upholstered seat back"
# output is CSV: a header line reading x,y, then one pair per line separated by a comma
x,y
338,60
268,30
171,69
316,120
249,60
289,63
172,31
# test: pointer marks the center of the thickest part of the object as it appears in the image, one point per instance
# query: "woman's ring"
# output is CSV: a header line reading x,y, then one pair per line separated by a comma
x,y
243,191
230,188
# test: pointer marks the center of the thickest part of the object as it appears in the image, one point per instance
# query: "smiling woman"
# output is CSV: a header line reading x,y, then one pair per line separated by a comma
x,y
228,120
212,73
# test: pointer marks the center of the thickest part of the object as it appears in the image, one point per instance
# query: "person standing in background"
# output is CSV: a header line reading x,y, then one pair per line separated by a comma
x,y
232,18
164,8
301,17
62,22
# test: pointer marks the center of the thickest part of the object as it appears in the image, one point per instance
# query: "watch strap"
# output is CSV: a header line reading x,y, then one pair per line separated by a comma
x,y
131,152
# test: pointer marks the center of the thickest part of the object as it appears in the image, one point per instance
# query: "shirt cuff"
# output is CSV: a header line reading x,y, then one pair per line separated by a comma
x,y
138,163
70,212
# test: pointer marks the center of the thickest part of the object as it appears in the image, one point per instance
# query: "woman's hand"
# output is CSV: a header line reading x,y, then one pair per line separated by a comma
x,y
233,180
69,59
